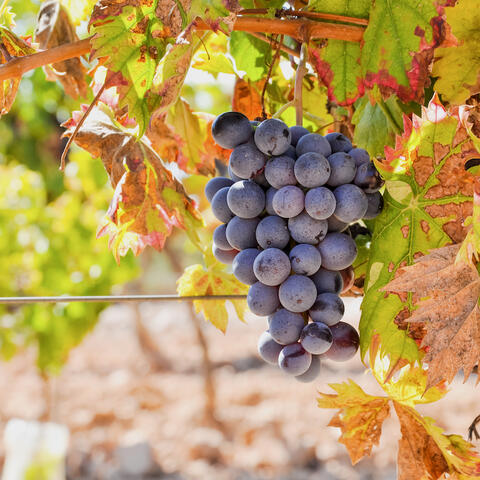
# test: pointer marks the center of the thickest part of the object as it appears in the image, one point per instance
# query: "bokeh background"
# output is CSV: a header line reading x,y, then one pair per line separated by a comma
x,y
150,390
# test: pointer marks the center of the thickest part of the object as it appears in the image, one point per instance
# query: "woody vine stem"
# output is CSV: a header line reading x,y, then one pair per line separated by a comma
x,y
298,92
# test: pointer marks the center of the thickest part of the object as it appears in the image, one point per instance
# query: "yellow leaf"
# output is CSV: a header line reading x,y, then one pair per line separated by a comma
x,y
213,280
360,417
79,10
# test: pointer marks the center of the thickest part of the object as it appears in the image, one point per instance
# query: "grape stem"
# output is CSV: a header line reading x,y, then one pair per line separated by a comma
x,y
279,112
299,76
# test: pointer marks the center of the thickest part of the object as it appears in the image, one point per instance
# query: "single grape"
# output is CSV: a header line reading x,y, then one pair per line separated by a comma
x,y
297,293
231,129
320,203
279,171
268,348
313,142
343,169
345,342
312,373
242,266
272,231
328,281
305,258
224,256
246,160
214,185
272,267
335,225
368,178
285,327
297,132
305,229
339,142
269,194
316,338
233,176
351,203
241,232
294,360
348,277
328,309
246,199
338,251
375,205
262,300
359,155
312,170
288,202
220,207
220,237
272,137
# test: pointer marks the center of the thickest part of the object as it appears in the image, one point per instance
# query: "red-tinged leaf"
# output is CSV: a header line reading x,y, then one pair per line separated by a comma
x,y
12,46
148,201
247,98
398,46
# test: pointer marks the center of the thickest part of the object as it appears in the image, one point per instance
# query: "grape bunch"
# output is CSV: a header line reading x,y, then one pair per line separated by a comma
x,y
285,213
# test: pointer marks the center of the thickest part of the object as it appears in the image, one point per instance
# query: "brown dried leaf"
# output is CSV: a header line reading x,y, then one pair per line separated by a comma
x,y
448,312
55,28
419,457
247,98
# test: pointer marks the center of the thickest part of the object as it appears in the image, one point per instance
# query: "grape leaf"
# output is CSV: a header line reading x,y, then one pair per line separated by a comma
x,y
427,195
360,417
338,63
213,63
132,39
457,63
376,124
12,46
450,316
79,10
212,280
251,55
398,46
55,28
148,201
426,452
247,98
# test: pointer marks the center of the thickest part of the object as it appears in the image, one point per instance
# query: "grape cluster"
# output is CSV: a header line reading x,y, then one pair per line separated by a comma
x,y
285,212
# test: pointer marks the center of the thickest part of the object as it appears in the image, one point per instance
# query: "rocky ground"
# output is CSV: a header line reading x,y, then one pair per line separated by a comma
x,y
128,420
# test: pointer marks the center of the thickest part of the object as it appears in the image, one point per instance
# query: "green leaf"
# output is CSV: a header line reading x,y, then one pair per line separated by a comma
x,y
338,64
376,124
213,63
458,65
397,45
251,55
426,196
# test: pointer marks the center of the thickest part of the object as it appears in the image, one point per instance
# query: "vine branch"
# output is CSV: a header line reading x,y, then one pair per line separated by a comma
x,y
299,29
298,92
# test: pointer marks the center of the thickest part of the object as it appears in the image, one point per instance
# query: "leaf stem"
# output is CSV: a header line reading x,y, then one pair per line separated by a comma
x,y
298,91
279,112
269,74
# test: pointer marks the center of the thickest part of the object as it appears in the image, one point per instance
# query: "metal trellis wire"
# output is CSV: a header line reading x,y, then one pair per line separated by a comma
x,y
115,299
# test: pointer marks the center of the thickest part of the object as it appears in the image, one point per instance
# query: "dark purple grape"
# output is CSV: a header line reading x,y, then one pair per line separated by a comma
x,y
246,199
291,152
272,231
224,256
338,251
343,169
272,267
247,160
220,207
339,142
242,266
313,142
262,300
375,205
268,348
297,132
233,176
335,225
345,342
231,129
215,184
269,194
312,170
320,203
285,327
305,258
220,237
305,229
272,137
368,178
328,281
359,155
316,338
294,360
328,309
288,202
279,171
297,293
241,232
351,203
